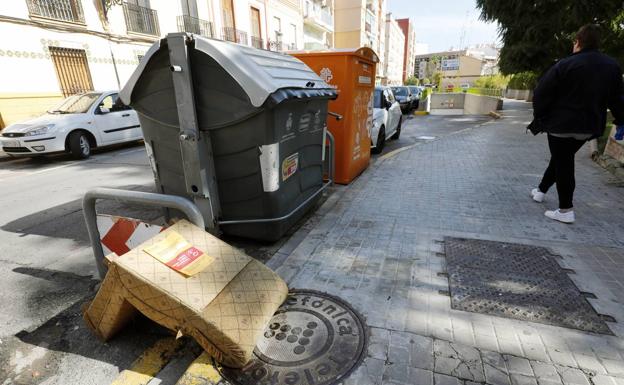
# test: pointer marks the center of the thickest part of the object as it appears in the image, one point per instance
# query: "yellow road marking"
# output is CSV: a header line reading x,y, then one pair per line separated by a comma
x,y
149,363
200,372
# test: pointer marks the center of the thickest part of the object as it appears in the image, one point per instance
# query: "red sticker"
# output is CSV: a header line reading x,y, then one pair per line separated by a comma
x,y
185,258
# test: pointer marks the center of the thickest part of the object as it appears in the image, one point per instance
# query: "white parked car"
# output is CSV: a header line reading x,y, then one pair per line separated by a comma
x,y
387,118
76,125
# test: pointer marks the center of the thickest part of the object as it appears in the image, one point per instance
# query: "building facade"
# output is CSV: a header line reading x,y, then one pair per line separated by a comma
x,y
359,23
409,54
318,24
63,47
395,49
458,68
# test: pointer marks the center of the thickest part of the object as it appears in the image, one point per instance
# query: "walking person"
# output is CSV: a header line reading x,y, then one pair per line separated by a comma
x,y
570,104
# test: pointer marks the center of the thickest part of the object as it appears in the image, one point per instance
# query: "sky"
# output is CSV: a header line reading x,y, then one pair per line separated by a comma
x,y
440,23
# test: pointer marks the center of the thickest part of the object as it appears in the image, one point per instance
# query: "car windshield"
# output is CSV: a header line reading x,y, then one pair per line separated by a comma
x,y
75,104
399,91
414,90
377,101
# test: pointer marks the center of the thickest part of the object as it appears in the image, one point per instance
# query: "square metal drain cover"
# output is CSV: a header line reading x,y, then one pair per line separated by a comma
x,y
516,281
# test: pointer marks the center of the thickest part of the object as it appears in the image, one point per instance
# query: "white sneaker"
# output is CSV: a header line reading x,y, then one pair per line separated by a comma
x,y
567,217
537,195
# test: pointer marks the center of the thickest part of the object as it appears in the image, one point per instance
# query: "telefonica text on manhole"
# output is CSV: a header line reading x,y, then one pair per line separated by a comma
x,y
313,339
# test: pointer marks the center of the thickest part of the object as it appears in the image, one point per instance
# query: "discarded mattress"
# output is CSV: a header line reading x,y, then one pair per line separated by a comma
x,y
225,307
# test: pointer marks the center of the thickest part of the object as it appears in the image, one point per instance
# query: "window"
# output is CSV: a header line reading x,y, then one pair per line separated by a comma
x,y
293,36
277,23
256,32
189,7
140,18
228,13
65,10
379,96
72,70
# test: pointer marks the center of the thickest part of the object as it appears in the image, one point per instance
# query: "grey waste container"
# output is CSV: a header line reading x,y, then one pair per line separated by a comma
x,y
238,130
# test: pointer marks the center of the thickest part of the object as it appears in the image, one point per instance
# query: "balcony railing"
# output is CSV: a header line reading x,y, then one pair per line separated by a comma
x,y
64,10
141,19
194,25
257,42
315,12
275,45
234,35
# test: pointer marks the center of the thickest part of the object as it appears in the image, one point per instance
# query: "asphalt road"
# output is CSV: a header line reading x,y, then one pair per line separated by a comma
x,y
47,269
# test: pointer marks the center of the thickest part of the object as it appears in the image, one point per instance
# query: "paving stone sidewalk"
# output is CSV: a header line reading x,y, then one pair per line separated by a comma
x,y
379,248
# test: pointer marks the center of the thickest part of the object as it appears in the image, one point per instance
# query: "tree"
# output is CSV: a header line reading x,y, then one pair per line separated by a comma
x,y
412,81
535,34
437,79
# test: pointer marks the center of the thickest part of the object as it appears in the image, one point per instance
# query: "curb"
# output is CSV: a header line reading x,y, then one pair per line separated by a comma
x,y
612,166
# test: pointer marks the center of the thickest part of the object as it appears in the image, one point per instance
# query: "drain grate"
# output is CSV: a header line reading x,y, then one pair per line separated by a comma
x,y
516,281
313,338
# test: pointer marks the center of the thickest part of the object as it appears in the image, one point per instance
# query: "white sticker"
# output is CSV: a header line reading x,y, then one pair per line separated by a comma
x,y
269,166
365,80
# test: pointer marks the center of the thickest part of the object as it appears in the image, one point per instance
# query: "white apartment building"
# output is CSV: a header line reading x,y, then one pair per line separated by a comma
x,y
318,24
54,48
395,49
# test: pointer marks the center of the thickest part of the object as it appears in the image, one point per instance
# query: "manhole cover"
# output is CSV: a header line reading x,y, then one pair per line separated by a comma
x,y
313,338
516,281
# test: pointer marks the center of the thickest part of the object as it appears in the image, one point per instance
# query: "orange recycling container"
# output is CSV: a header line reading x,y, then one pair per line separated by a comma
x,y
352,72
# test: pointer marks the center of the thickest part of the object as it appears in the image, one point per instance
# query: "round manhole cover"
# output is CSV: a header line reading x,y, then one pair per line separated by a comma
x,y
313,339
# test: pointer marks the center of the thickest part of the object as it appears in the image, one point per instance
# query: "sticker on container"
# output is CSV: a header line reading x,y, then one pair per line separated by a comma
x,y
290,165
365,79
177,253
326,75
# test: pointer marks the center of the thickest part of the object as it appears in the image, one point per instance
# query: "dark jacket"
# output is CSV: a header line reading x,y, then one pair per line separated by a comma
x,y
573,96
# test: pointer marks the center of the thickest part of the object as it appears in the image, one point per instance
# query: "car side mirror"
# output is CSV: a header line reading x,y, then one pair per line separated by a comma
x,y
102,110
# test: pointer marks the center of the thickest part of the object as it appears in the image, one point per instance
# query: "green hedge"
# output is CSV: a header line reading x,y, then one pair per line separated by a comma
x,y
523,81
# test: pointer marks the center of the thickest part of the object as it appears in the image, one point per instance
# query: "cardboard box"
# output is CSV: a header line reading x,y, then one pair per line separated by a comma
x,y
225,307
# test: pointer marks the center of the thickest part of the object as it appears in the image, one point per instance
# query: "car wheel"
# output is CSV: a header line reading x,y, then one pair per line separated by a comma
x,y
381,140
417,104
398,130
79,145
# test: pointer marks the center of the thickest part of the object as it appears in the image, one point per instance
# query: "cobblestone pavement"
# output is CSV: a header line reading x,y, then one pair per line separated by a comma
x,y
379,247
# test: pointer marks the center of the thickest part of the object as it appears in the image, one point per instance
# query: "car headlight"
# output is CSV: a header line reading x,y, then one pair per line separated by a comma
x,y
39,130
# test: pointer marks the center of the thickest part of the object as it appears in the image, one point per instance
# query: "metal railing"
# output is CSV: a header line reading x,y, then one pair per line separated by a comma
x,y
141,19
64,10
194,25
275,45
314,10
235,35
257,42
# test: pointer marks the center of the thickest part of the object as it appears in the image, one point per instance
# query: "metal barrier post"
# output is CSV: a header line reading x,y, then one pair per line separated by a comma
x,y
195,146
142,198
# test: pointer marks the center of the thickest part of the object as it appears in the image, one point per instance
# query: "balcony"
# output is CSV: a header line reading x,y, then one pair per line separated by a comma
x,y
234,35
276,45
194,25
62,10
318,16
141,19
257,42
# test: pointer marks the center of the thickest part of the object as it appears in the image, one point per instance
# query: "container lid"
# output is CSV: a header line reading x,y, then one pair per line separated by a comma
x,y
364,52
260,73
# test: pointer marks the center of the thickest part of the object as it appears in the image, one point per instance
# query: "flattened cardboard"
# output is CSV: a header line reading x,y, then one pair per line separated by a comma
x,y
225,308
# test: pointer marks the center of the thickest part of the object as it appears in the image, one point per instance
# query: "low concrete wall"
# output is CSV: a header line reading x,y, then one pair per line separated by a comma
x,y
480,105
464,104
519,94
447,104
